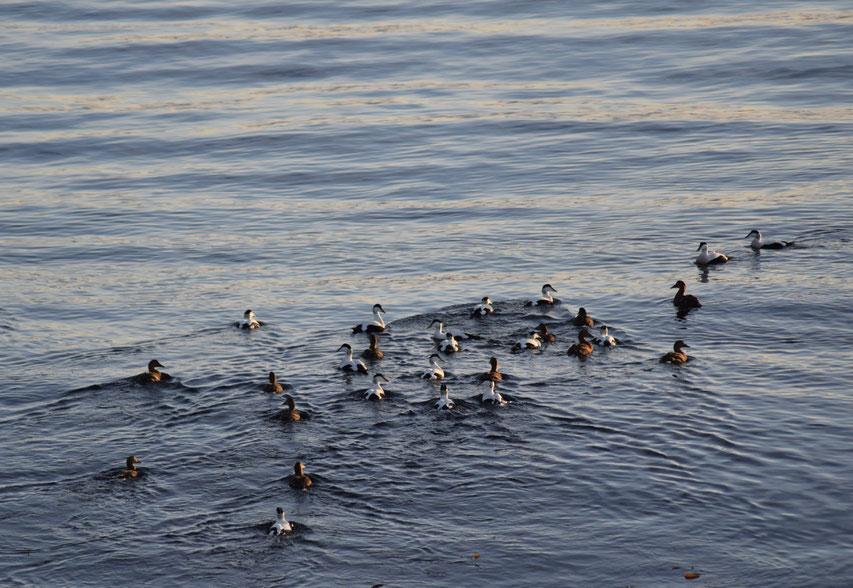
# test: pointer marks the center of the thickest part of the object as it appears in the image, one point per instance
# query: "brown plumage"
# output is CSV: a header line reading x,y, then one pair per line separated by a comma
x,y
684,301
583,347
676,356
493,375
544,335
152,375
373,352
299,480
582,319
131,471
273,387
290,413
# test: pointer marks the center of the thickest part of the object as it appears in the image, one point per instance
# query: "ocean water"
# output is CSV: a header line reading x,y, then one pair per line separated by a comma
x,y
167,165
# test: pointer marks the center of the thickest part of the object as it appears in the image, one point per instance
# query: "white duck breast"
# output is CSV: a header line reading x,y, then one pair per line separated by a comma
x,y
759,243
249,321
706,257
449,345
533,341
492,396
375,392
377,325
546,297
605,339
281,526
434,372
438,334
485,307
348,364
444,402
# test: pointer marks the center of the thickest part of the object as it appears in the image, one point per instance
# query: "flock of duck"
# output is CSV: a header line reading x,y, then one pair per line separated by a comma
x,y
446,344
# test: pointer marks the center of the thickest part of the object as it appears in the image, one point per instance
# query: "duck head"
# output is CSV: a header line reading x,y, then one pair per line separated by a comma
x,y
153,365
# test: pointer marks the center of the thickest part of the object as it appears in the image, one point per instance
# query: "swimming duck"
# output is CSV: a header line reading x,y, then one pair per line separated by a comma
x,y
485,307
249,321
130,471
684,301
290,413
582,319
299,480
493,374
434,372
450,344
605,339
273,387
152,375
373,352
444,401
532,342
759,243
676,356
375,392
546,297
582,348
348,364
438,334
544,335
492,396
377,325
281,526
706,257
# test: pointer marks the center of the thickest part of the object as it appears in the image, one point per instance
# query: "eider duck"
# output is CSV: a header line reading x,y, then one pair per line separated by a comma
x,y
485,307
532,342
348,364
546,297
375,392
492,396
373,352
706,257
249,321
444,402
605,339
434,372
493,374
377,325
281,526
130,471
299,480
684,301
676,356
290,413
152,375
273,387
759,243
544,335
582,348
450,344
582,319
438,335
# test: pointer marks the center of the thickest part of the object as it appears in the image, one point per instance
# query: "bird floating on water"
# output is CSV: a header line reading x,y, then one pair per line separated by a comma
x,y
450,344
299,479
544,335
492,396
375,392
273,387
546,298
281,526
682,301
444,402
248,321
493,374
350,365
582,319
706,257
434,372
438,334
152,375
582,348
290,413
484,308
605,339
377,325
676,356
759,243
372,353
533,341
130,471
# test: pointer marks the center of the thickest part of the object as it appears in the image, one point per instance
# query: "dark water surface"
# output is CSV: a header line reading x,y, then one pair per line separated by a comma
x,y
167,165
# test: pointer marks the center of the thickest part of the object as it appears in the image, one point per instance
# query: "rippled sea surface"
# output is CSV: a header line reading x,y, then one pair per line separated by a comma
x,y
167,165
